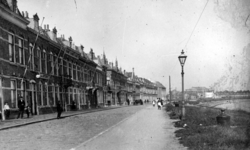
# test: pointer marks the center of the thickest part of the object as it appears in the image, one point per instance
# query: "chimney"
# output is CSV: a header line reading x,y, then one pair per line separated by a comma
x,y
26,14
36,22
23,14
70,41
91,54
55,32
133,73
45,27
82,49
48,27
124,71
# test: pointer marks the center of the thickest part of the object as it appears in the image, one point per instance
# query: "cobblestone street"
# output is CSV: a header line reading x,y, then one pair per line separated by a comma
x,y
63,133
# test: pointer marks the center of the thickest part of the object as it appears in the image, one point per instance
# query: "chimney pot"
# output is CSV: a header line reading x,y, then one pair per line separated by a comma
x,y
27,14
54,30
82,47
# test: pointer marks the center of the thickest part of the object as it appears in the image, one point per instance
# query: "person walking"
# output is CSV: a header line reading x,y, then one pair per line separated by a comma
x,y
153,103
6,109
21,106
159,104
59,109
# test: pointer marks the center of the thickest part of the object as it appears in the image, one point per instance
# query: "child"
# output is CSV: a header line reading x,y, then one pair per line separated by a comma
x,y
153,103
27,109
6,109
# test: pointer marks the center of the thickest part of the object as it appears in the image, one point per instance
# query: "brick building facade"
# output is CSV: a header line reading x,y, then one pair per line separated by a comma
x,y
43,68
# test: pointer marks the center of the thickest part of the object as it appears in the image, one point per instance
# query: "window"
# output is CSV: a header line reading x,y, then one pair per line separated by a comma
x,y
70,69
20,52
82,74
39,96
78,77
75,96
86,74
11,47
45,94
71,95
51,97
74,71
65,67
44,62
13,94
55,66
31,58
20,89
38,59
60,63
51,63
56,93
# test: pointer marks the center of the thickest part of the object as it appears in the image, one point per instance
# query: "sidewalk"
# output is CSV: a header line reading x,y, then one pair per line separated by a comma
x,y
13,123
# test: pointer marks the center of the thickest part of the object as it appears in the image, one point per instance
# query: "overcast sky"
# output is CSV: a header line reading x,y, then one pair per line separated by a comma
x,y
147,35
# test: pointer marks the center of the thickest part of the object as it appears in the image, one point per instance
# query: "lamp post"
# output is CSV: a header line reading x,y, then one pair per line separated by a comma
x,y
182,59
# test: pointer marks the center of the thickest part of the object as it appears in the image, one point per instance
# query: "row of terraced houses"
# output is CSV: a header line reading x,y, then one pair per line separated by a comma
x,y
44,68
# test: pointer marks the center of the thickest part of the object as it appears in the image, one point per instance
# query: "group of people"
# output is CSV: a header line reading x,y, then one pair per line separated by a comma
x,y
159,103
21,108
26,108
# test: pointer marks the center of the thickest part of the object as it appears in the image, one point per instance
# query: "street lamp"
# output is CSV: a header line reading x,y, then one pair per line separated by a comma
x,y
182,59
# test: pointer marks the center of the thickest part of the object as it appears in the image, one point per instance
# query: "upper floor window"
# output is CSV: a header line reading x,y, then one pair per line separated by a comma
x,y
31,57
38,59
20,52
51,63
65,67
11,47
55,65
74,71
70,68
60,64
43,63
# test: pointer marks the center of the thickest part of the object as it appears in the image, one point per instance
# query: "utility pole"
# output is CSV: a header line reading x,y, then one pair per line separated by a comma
x,y
169,88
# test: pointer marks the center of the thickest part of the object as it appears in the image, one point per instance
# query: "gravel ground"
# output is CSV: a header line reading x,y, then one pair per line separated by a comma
x,y
65,133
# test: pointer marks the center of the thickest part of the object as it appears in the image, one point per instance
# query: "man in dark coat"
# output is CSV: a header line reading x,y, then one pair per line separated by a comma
x,y
21,106
59,109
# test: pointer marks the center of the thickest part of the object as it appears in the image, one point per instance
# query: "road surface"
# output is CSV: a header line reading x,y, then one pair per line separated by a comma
x,y
148,129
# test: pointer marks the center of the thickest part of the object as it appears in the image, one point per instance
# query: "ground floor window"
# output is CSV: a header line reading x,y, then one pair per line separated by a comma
x,y
13,94
50,94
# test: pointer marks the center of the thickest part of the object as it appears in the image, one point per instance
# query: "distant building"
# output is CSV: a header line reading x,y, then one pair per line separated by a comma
x,y
161,91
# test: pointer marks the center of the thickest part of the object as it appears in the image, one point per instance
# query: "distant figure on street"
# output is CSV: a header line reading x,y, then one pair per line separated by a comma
x,y
6,109
159,104
128,101
153,103
59,109
21,106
